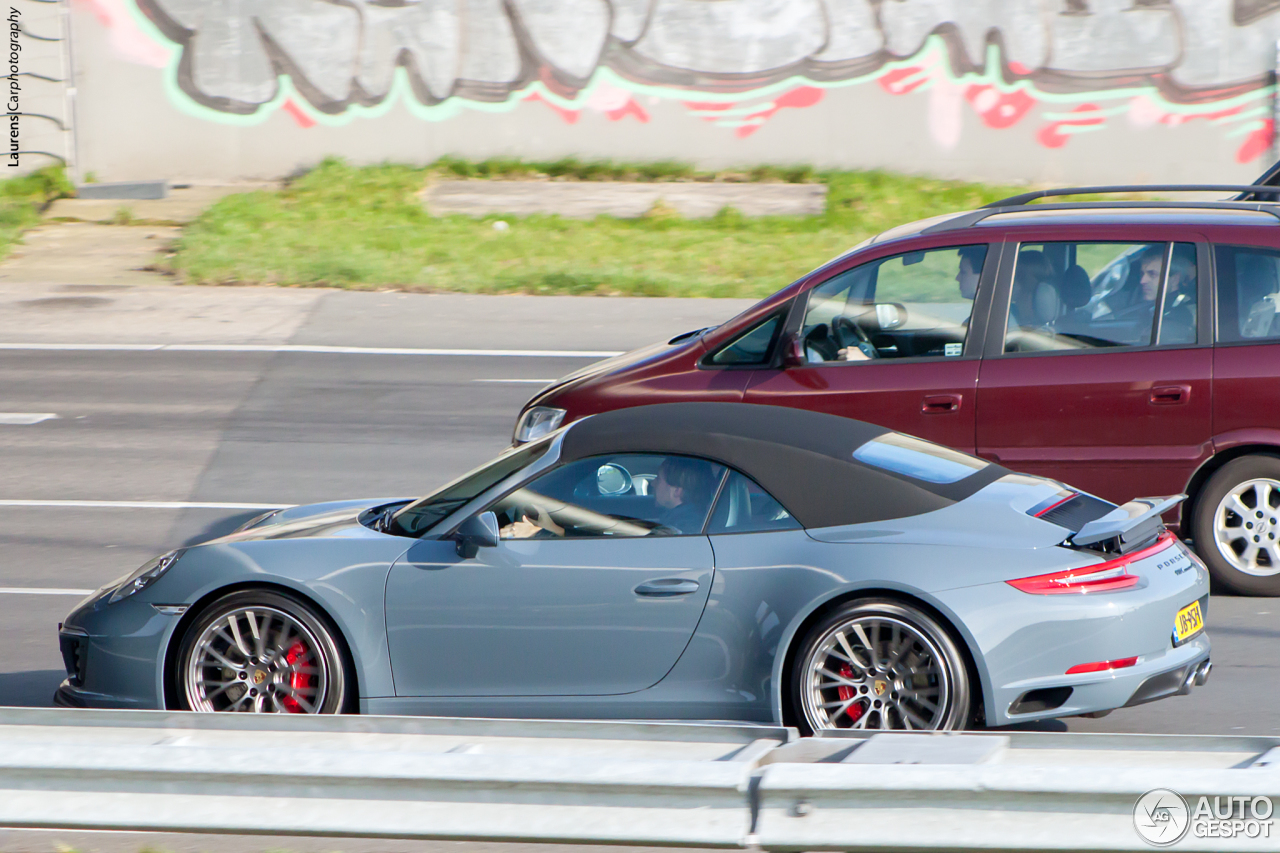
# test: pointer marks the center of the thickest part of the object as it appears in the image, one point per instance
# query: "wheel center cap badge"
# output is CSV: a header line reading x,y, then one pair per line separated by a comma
x,y
259,676
880,687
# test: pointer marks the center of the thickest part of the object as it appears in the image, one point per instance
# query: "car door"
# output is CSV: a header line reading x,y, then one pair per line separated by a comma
x,y
1248,345
602,599
894,341
1098,364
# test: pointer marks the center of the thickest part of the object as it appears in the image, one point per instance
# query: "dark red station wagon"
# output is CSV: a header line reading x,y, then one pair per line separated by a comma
x,y
1127,348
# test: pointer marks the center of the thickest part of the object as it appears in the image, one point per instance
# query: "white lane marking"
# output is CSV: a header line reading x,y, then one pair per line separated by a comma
x,y
34,590
25,418
143,504
513,381
525,353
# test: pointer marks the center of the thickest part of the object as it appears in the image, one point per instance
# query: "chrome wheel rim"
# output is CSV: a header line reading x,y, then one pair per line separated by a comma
x,y
257,660
876,672
1246,527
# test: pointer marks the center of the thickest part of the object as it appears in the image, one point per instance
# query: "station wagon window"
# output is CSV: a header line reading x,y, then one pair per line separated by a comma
x,y
1248,293
618,496
752,346
911,305
1079,296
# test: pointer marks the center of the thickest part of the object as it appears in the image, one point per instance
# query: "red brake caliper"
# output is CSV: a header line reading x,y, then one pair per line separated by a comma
x,y
846,693
298,680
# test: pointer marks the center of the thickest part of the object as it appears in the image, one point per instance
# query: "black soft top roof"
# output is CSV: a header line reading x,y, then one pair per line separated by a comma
x,y
804,459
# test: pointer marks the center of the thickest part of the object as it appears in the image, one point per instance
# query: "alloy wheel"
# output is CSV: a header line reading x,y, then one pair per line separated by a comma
x,y
1246,527
876,672
257,659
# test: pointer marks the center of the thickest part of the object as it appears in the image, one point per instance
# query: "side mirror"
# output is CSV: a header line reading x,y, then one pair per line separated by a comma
x,y
478,531
890,315
613,479
793,352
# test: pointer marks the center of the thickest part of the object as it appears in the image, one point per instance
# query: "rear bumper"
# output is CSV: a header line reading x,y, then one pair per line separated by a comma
x,y
1175,682
1174,673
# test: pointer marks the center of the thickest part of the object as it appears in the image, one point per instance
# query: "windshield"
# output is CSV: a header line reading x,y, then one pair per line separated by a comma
x,y
421,515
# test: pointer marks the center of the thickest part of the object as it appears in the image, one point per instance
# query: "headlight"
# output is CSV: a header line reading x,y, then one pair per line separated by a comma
x,y
537,422
145,576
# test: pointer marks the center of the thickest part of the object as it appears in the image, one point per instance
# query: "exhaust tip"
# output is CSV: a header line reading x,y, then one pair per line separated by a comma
x,y
1202,673
1188,683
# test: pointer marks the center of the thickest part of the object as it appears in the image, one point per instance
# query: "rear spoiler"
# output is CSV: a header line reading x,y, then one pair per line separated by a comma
x,y
1269,178
1131,525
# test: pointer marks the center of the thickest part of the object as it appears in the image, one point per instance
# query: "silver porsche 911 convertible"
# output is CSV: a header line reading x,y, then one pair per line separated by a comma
x,y
678,561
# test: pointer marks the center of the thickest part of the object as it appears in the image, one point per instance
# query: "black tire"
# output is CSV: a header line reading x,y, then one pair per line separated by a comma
x,y
300,665
890,692
1241,549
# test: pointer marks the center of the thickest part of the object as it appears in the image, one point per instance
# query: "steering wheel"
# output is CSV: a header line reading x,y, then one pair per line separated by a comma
x,y
847,333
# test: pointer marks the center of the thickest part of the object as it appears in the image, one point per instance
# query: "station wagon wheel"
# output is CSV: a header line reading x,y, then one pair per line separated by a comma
x,y
260,652
1237,525
881,665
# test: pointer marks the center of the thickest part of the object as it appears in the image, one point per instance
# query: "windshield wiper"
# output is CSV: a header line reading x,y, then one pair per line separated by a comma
x,y
382,523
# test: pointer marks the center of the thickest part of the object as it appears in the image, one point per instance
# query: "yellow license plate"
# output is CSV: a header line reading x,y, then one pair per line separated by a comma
x,y
1188,623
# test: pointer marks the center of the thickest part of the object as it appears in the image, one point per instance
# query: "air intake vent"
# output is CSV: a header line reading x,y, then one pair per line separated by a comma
x,y
1072,512
1044,699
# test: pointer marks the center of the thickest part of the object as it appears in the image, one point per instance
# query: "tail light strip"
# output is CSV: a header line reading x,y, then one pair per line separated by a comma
x,y
1102,577
1102,665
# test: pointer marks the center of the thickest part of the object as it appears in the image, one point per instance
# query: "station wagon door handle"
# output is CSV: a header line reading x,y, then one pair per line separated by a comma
x,y
938,404
1168,395
666,587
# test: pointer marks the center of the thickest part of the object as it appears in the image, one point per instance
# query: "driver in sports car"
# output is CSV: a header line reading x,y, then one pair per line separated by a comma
x,y
682,492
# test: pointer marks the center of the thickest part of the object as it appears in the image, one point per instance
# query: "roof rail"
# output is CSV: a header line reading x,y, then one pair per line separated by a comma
x,y
1025,198
973,217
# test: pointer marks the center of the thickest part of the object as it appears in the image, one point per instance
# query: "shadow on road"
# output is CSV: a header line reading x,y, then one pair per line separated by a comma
x,y
219,528
32,689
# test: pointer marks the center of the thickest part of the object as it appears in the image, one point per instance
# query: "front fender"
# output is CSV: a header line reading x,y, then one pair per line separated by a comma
x,y
345,578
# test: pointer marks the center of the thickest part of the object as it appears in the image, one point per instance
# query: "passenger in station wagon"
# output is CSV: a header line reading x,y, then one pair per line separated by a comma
x,y
1178,323
1258,285
1035,300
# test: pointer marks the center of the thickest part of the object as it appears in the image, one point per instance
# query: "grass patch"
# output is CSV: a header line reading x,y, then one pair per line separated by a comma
x,y
366,228
571,168
22,199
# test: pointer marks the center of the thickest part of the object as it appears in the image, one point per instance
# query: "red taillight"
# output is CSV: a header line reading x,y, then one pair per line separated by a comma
x,y
1102,665
1103,577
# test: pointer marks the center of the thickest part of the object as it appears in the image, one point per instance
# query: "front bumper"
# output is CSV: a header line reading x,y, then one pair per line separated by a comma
x,y
113,654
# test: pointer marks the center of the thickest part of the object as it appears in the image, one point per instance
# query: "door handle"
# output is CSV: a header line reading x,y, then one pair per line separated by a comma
x,y
1168,395
939,404
666,587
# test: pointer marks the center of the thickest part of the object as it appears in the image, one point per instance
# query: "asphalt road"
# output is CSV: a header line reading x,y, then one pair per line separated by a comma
x,y
271,427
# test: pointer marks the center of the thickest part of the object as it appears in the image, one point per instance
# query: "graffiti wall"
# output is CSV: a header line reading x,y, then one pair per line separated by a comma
x,y
974,75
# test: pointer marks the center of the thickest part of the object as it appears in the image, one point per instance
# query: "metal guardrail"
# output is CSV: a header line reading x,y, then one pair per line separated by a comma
x,y
696,785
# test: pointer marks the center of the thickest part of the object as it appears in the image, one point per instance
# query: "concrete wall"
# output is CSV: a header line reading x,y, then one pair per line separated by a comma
x,y
1037,90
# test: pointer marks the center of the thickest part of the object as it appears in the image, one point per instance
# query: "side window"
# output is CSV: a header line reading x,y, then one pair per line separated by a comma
x,y
1073,296
906,306
1248,293
744,507
752,346
618,495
